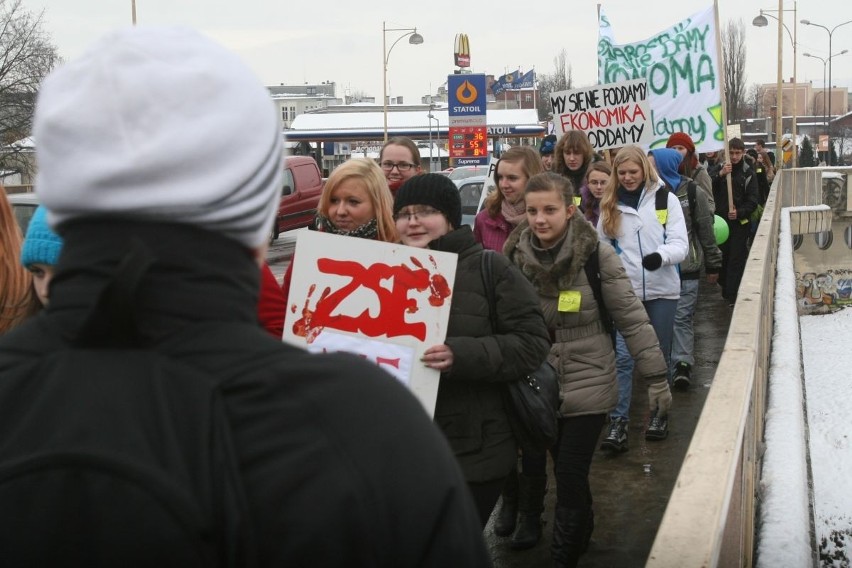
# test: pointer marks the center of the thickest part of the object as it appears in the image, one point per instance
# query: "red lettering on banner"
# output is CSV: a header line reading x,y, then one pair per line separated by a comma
x,y
394,302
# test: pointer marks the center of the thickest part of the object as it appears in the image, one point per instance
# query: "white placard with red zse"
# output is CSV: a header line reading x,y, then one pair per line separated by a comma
x,y
385,302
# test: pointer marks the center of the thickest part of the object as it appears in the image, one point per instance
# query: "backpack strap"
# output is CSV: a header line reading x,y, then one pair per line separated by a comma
x,y
661,204
691,188
690,195
592,267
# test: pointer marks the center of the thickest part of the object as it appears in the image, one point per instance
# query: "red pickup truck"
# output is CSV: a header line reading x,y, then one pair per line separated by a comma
x,y
300,195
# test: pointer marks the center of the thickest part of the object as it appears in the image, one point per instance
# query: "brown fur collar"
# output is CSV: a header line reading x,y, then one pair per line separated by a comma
x,y
579,244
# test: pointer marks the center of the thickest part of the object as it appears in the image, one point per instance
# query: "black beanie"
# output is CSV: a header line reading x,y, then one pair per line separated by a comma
x,y
435,190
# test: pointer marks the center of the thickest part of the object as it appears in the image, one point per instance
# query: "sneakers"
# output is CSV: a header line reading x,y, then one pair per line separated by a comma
x,y
682,375
658,428
616,438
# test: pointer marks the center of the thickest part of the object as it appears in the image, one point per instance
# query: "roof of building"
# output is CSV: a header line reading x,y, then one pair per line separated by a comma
x,y
369,125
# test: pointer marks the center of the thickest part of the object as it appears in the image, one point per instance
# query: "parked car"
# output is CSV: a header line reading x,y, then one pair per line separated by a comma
x,y
300,195
463,172
23,205
470,191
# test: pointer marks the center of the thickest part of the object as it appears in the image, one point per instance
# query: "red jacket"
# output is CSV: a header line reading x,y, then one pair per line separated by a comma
x,y
272,303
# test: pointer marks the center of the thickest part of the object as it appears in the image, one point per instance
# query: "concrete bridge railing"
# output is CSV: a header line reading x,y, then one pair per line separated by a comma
x,y
711,515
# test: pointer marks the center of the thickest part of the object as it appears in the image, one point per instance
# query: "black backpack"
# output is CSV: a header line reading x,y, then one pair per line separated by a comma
x,y
115,455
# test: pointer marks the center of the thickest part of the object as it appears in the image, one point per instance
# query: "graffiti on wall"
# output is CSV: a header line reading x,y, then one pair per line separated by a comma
x,y
824,292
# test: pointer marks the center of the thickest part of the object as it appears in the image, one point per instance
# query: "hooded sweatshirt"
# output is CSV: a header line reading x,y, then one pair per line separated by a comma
x,y
668,161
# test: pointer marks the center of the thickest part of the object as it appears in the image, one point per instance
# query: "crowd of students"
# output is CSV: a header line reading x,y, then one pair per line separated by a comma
x,y
598,271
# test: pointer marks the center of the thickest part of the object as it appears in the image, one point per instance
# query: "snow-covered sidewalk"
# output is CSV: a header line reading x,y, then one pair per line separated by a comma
x,y
827,361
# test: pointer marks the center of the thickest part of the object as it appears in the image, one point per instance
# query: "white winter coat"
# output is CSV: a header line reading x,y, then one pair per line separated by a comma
x,y
640,234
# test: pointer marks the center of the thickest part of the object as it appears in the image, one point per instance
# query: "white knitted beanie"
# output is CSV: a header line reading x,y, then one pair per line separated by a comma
x,y
160,124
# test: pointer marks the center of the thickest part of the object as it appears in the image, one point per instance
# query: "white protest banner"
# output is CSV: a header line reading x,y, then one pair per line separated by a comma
x,y
682,68
612,115
385,302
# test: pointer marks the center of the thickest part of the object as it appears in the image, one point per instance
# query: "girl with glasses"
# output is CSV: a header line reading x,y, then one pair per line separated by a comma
x,y
400,161
593,190
474,361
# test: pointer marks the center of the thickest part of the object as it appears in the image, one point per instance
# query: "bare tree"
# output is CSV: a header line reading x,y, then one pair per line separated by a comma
x,y
560,80
26,56
734,54
752,101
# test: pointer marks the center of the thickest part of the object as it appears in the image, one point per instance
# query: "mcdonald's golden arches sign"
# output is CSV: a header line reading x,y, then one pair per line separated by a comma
x,y
462,50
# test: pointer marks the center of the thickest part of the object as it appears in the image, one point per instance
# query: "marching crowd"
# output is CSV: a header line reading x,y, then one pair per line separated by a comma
x,y
142,274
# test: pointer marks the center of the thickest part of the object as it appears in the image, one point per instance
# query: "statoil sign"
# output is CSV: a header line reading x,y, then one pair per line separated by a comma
x,y
467,121
466,95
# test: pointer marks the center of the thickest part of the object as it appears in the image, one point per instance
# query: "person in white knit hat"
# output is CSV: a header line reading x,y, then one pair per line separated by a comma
x,y
147,419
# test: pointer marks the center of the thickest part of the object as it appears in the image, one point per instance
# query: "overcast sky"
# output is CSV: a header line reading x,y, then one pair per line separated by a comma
x,y
335,40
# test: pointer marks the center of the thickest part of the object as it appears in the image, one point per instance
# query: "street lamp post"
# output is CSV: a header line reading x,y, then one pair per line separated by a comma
x,y
824,115
437,136
830,33
133,11
414,38
761,21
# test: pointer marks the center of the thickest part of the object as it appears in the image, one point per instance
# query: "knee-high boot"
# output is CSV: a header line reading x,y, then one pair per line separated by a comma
x,y
507,516
571,533
531,506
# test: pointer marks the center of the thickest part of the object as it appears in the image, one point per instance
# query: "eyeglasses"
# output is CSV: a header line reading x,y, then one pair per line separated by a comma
x,y
401,166
600,183
419,214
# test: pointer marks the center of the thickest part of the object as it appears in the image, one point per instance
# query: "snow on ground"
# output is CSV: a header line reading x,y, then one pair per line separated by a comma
x,y
827,361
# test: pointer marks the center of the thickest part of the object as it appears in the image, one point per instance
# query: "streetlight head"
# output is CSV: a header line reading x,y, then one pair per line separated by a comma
x,y
415,39
807,55
844,51
806,22
760,21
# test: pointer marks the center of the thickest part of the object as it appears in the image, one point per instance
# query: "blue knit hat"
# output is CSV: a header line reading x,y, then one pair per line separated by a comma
x,y
41,245
548,145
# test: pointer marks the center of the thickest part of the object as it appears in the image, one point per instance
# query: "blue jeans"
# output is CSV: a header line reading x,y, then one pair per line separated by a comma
x,y
683,340
662,315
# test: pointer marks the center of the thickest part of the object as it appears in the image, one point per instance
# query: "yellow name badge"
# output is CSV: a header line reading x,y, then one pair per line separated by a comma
x,y
743,221
577,200
662,216
569,301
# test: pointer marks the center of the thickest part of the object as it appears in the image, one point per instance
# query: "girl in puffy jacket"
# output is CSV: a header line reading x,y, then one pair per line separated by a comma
x,y
551,252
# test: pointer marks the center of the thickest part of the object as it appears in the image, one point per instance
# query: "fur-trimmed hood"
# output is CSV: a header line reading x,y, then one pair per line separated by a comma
x,y
580,242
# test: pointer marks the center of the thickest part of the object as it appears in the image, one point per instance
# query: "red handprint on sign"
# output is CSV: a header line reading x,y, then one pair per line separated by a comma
x,y
394,302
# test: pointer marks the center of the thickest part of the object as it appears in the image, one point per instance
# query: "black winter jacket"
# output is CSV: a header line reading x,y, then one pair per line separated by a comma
x,y
340,464
743,188
470,406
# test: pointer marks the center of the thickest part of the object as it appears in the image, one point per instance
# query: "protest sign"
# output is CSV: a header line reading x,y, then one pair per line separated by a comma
x,y
612,115
681,65
385,302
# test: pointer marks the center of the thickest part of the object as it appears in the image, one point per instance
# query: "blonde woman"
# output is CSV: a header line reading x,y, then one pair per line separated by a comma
x,y
355,202
651,242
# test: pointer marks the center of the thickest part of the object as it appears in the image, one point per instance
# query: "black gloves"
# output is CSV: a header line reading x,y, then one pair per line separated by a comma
x,y
652,261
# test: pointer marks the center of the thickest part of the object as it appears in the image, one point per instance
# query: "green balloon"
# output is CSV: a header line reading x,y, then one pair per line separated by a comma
x,y
720,228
